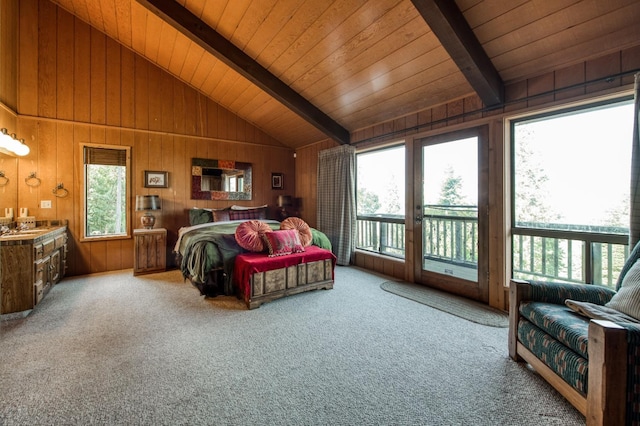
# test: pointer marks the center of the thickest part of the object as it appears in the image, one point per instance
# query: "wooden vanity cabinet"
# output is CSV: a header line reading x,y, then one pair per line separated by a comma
x,y
29,266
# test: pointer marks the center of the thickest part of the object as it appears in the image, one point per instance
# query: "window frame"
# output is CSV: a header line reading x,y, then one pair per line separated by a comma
x,y
588,238
390,222
83,173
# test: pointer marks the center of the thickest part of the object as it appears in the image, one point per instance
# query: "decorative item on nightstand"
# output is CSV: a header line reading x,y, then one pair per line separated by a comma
x,y
148,203
284,201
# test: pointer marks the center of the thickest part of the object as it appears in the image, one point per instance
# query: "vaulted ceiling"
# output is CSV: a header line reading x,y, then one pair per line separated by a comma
x,y
306,70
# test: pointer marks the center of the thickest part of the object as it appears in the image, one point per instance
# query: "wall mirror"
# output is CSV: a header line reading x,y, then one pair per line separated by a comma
x,y
220,180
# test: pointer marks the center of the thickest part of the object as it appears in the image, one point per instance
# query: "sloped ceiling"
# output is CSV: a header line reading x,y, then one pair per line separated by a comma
x,y
351,64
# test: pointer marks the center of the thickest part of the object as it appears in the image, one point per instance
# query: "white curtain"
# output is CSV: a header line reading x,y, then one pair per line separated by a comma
x,y
337,200
634,226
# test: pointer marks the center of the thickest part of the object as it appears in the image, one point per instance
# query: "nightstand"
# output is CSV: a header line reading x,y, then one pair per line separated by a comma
x,y
150,250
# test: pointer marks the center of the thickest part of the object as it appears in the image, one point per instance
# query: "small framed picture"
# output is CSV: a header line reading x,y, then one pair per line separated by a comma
x,y
276,181
156,179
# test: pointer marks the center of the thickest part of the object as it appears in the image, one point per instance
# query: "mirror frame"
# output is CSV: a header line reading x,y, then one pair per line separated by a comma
x,y
197,164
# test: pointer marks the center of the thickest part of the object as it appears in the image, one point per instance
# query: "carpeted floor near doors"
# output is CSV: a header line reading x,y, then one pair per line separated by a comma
x,y
455,305
113,349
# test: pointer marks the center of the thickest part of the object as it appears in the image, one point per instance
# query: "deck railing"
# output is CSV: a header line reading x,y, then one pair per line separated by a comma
x,y
573,253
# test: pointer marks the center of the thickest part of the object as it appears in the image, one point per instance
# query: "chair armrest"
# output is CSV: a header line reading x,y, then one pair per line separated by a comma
x,y
555,292
607,373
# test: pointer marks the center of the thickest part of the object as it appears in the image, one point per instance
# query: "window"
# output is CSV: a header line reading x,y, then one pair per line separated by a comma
x,y
571,174
380,201
106,191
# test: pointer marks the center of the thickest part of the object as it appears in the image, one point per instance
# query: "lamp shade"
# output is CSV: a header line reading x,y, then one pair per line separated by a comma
x,y
148,202
284,200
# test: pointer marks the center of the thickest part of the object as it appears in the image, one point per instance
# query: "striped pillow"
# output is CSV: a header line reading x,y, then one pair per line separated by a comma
x,y
627,299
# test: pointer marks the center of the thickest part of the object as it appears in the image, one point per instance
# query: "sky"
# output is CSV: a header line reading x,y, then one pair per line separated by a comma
x,y
590,150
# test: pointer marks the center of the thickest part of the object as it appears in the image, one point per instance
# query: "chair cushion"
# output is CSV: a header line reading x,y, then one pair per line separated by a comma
x,y
564,325
573,368
627,300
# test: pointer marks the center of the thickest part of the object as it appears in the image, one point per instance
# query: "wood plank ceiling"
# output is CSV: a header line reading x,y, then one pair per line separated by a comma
x,y
361,63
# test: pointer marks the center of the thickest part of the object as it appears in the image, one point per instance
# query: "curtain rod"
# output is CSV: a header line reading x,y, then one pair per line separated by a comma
x,y
607,79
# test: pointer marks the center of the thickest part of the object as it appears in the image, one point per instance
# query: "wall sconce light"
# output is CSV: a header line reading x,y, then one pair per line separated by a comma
x,y
147,203
10,144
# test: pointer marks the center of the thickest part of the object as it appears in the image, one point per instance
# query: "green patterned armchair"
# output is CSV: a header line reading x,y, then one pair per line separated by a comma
x,y
593,360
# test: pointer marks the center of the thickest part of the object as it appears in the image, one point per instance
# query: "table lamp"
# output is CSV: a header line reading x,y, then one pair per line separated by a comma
x,y
284,201
147,203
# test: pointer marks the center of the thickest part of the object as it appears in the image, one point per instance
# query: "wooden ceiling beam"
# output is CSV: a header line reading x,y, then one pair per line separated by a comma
x,y
210,40
448,24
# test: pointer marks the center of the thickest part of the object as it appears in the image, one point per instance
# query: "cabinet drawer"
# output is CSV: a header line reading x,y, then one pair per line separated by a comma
x,y
39,271
38,251
48,247
38,292
60,240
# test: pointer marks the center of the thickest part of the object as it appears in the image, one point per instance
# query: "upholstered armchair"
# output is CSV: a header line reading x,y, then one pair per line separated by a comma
x,y
584,340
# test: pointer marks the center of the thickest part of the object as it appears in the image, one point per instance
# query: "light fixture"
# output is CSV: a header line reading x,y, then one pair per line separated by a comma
x,y
147,203
10,144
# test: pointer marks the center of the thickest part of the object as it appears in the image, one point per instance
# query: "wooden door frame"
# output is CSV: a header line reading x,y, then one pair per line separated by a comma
x,y
479,291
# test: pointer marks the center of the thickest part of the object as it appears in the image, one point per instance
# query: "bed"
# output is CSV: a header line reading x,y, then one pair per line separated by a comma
x,y
207,250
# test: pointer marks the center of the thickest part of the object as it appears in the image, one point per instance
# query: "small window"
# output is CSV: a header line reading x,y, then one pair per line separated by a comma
x,y
380,201
106,191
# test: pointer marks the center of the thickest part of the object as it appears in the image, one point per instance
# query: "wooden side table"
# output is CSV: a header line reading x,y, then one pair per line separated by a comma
x,y
150,250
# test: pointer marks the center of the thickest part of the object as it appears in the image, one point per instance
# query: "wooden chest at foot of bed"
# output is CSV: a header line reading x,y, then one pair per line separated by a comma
x,y
260,278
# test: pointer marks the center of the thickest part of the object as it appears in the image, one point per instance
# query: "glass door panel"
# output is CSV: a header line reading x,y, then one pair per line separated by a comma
x,y
450,209
450,229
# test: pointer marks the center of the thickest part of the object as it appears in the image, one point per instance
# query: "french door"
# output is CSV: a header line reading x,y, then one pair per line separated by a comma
x,y
450,201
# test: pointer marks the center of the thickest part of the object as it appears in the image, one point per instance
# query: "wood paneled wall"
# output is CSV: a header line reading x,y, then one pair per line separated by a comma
x,y
77,85
8,98
546,90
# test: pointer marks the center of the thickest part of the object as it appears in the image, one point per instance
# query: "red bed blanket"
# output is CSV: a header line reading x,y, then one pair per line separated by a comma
x,y
248,263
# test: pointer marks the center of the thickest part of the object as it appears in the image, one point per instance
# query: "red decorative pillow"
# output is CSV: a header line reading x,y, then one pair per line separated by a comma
x,y
249,235
301,226
283,242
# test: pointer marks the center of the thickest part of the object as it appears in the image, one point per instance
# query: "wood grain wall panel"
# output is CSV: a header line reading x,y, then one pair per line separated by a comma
x,y
127,91
47,170
537,87
111,95
81,72
28,58
567,77
141,93
47,59
64,74
155,102
9,52
603,67
113,74
98,77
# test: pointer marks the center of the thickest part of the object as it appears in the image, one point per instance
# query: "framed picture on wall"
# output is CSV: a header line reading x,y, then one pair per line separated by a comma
x,y
276,181
156,179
